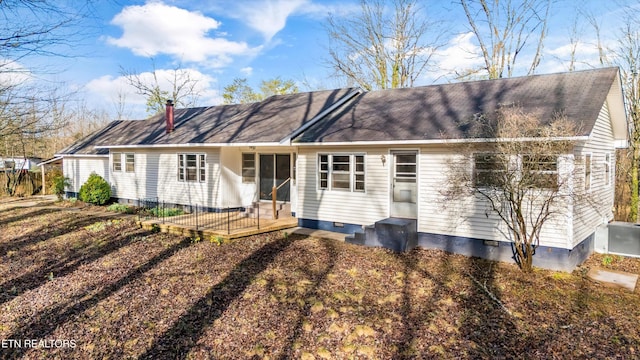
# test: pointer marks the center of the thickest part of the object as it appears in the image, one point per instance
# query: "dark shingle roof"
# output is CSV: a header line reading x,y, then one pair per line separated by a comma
x,y
422,113
268,121
446,111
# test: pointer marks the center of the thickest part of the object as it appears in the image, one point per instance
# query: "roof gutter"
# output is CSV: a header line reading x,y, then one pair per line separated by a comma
x,y
442,141
321,115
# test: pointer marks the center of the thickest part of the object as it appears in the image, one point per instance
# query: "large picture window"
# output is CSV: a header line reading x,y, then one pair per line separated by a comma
x,y
345,172
191,167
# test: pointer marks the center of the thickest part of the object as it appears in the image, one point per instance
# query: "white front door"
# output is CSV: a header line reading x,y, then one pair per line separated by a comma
x,y
404,184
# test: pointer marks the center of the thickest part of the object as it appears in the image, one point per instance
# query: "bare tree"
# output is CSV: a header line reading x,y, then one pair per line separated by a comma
x,y
525,183
183,89
505,28
628,59
383,47
239,91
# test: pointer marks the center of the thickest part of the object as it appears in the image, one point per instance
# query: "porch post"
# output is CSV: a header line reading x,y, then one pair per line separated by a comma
x,y
44,184
274,191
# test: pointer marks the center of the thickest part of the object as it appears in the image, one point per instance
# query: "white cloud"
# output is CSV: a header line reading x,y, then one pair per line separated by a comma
x,y
109,88
13,73
267,16
460,54
156,28
247,71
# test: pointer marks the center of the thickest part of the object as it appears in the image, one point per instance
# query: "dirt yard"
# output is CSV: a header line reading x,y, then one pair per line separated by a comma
x,y
88,284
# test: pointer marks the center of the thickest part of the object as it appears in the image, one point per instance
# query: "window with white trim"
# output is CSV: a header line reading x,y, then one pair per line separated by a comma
x,y
540,171
607,169
587,172
489,170
191,167
116,161
248,167
129,162
341,172
536,171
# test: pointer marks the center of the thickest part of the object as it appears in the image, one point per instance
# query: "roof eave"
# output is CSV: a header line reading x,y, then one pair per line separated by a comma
x,y
442,141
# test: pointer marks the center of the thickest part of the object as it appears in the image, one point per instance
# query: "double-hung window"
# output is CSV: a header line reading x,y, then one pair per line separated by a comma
x,y
489,170
587,172
191,167
607,169
248,167
129,162
541,171
116,159
344,172
535,171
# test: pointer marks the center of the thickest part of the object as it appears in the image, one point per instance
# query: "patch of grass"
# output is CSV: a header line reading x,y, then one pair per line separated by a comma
x,y
166,212
121,208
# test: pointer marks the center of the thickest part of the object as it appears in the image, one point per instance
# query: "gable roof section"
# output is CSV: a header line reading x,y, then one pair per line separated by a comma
x,y
444,112
86,145
257,123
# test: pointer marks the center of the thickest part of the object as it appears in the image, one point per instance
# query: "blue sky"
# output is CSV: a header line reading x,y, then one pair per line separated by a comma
x,y
217,41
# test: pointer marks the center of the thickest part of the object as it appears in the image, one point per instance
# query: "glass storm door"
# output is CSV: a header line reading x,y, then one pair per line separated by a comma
x,y
404,189
274,170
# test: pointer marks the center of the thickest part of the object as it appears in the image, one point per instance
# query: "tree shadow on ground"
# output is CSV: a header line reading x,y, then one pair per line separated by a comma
x,y
177,341
26,215
67,262
416,314
45,322
316,279
490,330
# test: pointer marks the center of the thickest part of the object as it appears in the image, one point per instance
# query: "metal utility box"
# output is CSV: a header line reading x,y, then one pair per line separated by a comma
x,y
624,239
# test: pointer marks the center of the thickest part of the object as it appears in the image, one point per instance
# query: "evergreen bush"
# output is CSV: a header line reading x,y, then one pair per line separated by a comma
x,y
96,190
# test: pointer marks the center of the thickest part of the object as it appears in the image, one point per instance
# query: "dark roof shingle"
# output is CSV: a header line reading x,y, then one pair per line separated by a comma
x,y
446,111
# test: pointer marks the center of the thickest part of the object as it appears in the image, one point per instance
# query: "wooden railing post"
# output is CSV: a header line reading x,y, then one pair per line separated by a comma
x,y
274,192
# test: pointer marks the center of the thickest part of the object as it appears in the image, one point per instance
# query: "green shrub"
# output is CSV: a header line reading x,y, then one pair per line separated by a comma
x,y
120,208
166,212
96,190
60,183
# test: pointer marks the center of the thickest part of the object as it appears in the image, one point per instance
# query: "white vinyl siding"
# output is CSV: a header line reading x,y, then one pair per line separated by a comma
x,y
596,209
352,207
470,216
78,169
155,176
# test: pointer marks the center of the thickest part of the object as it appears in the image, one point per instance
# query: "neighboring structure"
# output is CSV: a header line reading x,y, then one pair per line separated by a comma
x,y
355,158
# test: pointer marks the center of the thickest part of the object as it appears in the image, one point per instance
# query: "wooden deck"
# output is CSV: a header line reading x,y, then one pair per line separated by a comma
x,y
214,225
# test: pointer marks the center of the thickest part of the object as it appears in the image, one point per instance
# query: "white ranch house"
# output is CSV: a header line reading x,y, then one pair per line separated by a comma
x,y
354,158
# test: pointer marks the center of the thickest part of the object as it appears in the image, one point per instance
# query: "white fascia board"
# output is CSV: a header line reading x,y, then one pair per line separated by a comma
x,y
441,141
80,155
53,159
209,145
